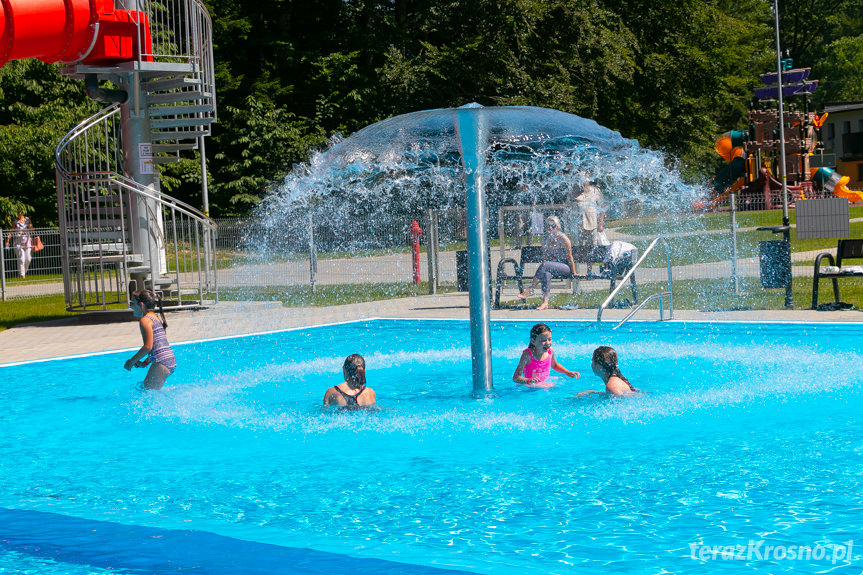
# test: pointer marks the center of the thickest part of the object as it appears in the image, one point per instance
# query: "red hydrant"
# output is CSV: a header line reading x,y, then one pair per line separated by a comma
x,y
415,233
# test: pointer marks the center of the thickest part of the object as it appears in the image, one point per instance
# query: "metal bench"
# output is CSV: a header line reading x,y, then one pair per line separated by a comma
x,y
845,250
613,272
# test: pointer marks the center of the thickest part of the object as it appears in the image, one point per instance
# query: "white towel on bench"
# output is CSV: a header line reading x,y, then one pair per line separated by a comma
x,y
617,250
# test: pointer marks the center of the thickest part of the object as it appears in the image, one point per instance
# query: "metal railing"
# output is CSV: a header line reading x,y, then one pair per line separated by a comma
x,y
42,277
651,297
101,261
243,261
178,70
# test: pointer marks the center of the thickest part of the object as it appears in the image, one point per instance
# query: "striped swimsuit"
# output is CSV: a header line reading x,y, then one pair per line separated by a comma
x,y
161,351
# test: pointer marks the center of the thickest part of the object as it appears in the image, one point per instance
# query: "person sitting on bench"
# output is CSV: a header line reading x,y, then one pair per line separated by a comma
x,y
558,263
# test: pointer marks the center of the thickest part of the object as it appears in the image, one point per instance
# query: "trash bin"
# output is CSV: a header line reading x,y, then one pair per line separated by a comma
x,y
775,259
462,274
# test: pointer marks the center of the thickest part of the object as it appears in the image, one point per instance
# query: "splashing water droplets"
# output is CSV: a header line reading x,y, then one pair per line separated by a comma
x,y
393,171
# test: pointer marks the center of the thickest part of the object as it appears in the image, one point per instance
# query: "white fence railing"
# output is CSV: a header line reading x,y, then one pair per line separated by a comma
x,y
385,257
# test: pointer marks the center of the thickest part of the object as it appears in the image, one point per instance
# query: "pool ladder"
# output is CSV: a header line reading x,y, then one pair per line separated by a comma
x,y
657,296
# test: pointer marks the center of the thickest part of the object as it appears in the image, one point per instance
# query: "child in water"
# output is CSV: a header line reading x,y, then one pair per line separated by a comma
x,y
352,393
160,356
604,365
538,359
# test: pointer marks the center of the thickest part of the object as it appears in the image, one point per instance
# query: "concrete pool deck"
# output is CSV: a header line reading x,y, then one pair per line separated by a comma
x,y
100,332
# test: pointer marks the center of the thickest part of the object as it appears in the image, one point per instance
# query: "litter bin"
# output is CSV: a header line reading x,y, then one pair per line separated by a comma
x,y
775,259
461,271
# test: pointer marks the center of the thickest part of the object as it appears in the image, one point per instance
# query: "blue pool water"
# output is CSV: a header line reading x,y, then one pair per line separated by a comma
x,y
751,436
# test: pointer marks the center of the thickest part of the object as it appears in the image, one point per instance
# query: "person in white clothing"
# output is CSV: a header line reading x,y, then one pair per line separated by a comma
x,y
23,242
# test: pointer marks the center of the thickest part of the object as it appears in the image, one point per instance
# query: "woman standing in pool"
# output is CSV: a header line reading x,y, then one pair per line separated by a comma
x,y
538,359
604,365
352,393
160,356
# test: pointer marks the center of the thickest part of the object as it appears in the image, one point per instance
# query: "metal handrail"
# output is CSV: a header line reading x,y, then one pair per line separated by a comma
x,y
86,162
631,271
659,296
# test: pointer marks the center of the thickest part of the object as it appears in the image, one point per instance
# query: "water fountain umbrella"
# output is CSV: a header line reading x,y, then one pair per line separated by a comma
x,y
431,138
444,138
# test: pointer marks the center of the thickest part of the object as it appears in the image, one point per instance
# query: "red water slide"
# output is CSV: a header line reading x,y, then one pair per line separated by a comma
x,y
87,31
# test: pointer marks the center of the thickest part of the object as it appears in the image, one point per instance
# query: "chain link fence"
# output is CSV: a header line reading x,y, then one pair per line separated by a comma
x,y
309,253
43,275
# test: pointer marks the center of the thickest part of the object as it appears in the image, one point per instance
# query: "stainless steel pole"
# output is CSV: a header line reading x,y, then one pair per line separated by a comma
x,y
735,279
783,176
472,134
145,217
431,250
205,204
786,221
313,255
3,269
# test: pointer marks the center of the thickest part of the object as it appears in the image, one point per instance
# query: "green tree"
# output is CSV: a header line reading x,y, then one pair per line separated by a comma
x,y
37,107
257,146
554,53
842,68
697,63
807,27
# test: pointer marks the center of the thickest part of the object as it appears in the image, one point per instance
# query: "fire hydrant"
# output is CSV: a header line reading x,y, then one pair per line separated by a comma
x,y
415,232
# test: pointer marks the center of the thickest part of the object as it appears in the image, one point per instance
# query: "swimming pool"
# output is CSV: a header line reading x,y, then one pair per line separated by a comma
x,y
750,438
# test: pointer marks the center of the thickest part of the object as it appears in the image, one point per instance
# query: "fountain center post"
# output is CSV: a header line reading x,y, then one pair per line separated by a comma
x,y
472,132
146,216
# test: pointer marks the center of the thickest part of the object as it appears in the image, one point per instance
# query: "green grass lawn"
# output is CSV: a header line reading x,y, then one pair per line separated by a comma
x,y
652,225
713,295
19,311
326,295
709,295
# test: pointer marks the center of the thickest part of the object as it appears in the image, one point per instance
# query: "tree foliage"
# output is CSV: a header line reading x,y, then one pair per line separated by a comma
x,y
259,145
37,106
291,73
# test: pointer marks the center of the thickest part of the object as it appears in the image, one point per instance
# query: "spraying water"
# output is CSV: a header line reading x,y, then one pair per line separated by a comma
x,y
395,169
471,156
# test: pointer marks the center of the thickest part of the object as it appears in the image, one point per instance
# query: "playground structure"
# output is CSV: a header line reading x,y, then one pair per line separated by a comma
x,y
118,231
753,155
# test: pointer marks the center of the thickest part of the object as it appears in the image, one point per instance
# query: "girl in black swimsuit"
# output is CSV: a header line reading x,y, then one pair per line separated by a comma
x,y
352,393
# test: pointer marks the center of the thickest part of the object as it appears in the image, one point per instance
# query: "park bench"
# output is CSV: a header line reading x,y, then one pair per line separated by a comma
x,y
834,271
532,256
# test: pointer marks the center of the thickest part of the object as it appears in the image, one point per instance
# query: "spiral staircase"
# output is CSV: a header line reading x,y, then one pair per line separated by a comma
x,y
118,231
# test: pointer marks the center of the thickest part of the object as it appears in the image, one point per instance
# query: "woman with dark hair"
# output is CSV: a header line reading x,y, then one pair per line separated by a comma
x,y
352,393
538,359
604,365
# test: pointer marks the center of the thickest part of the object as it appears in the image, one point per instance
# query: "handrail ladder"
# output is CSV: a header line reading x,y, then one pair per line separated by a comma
x,y
658,295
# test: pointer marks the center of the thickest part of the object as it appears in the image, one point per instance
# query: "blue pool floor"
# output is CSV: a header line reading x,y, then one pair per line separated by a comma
x,y
137,549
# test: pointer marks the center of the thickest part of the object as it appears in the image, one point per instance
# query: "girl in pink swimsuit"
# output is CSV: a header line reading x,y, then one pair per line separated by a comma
x,y
538,359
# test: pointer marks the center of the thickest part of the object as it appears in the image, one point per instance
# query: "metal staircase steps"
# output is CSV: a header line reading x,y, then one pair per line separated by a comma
x,y
160,111
180,123
171,148
160,160
178,135
170,83
104,212
178,96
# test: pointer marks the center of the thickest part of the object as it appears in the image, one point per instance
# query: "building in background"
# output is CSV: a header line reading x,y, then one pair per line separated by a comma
x,y
842,135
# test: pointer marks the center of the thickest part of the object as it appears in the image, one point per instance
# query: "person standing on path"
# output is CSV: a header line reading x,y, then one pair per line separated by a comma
x,y
23,242
589,204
